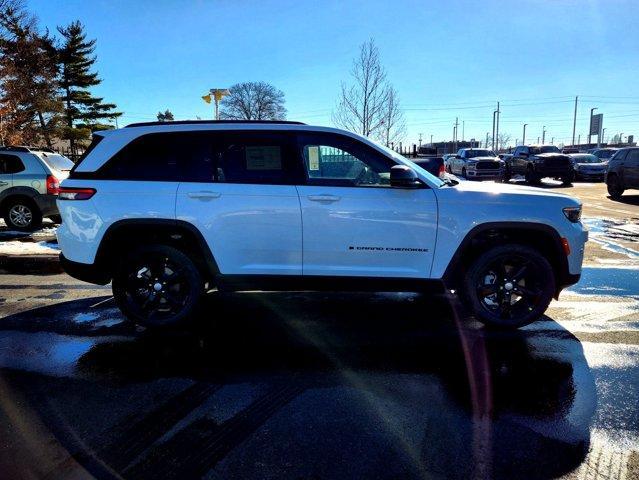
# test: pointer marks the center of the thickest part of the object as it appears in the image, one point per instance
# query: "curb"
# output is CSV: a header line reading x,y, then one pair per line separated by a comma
x,y
30,264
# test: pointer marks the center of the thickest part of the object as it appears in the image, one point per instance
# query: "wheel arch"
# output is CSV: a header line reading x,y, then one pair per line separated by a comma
x,y
128,233
539,236
12,193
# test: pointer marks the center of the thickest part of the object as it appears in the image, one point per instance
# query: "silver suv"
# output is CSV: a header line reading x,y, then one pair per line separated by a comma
x,y
29,185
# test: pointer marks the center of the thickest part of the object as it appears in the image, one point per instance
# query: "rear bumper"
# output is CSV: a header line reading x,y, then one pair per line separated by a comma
x,y
46,204
87,272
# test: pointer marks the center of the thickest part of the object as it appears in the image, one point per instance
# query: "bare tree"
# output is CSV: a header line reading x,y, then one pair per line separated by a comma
x,y
362,106
253,101
393,126
502,140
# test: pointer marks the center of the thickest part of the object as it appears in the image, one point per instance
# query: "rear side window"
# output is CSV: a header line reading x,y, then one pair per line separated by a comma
x,y
256,157
10,164
163,157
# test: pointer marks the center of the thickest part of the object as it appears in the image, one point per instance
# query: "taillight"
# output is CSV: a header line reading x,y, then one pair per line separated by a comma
x,y
442,170
53,185
70,193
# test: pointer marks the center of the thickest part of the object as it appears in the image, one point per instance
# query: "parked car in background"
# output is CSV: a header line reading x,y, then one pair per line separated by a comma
x,y
477,164
29,182
432,164
604,153
622,172
535,162
587,166
447,159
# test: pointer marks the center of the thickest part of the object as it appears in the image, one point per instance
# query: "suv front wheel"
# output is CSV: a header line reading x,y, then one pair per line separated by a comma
x,y
509,286
615,190
157,286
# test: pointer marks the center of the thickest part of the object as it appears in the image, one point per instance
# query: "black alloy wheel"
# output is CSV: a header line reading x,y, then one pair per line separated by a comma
x,y
510,286
157,286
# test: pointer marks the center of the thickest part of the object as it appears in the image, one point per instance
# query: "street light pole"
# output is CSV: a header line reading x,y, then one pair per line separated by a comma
x,y
493,145
431,140
543,135
574,122
523,138
603,135
497,129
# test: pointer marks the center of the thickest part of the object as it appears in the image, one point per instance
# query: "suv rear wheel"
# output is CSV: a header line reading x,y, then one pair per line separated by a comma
x,y
22,214
509,286
614,187
157,286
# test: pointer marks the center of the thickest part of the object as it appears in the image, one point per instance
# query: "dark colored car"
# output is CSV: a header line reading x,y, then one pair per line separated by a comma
x,y
623,172
535,162
588,167
604,153
433,165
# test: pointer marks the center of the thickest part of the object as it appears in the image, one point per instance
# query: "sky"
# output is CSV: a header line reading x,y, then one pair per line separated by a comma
x,y
447,59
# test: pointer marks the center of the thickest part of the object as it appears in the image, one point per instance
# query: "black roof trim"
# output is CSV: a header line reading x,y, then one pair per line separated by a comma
x,y
215,122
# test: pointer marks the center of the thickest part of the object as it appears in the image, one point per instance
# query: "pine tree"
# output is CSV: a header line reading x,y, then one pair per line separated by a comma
x,y
29,107
82,111
166,116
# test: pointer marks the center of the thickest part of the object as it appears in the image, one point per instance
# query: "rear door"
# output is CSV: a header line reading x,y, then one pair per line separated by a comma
x,y
631,169
241,196
354,222
6,173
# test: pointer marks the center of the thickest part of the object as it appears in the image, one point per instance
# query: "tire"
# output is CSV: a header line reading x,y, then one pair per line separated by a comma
x,y
531,177
22,214
157,286
463,173
567,179
615,189
506,176
509,286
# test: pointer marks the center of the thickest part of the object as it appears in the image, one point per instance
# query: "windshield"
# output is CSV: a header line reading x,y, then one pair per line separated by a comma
x,y
479,153
544,149
586,159
605,153
57,162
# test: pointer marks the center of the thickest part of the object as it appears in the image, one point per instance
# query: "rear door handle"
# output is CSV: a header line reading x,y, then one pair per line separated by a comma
x,y
204,194
323,198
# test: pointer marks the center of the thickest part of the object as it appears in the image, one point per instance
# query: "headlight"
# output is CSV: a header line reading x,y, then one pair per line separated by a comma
x,y
573,214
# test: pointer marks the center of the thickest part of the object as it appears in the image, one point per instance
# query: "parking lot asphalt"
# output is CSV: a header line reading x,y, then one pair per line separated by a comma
x,y
328,385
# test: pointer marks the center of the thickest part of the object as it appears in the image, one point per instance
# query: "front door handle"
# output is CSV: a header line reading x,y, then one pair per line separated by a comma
x,y
2,184
323,198
204,195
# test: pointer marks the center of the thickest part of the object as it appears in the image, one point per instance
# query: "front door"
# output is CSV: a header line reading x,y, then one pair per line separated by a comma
x,y
354,222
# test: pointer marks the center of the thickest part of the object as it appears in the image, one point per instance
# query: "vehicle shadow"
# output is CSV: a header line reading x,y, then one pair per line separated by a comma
x,y
493,404
627,199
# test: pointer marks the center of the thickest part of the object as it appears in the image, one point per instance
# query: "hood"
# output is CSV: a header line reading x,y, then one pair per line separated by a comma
x,y
552,155
483,159
506,189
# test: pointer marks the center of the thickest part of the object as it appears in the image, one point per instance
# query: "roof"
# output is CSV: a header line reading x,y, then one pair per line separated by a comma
x,y
214,122
24,148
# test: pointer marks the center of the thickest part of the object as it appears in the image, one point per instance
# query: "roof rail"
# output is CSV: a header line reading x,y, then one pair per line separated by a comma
x,y
24,148
204,122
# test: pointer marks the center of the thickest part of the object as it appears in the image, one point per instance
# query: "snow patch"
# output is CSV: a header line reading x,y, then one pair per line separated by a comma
x,y
29,248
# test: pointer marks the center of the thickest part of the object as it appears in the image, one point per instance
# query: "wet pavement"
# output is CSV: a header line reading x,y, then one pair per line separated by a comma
x,y
319,385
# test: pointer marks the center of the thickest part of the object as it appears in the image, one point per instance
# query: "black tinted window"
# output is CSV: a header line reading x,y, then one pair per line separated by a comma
x,y
164,157
10,164
255,157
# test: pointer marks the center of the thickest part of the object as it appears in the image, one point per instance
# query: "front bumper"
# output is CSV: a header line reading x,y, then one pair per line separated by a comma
x,y
553,171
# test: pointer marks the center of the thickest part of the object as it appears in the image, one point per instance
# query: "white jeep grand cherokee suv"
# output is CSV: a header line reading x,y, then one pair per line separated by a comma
x,y
167,211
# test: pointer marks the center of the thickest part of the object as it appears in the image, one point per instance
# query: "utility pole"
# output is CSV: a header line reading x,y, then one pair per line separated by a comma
x,y
486,146
431,140
497,129
420,139
455,136
603,135
463,129
574,122
493,145
590,125
537,140
579,140
543,136
523,138
552,140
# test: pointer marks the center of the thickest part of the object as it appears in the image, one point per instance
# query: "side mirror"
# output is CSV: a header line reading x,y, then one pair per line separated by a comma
x,y
402,176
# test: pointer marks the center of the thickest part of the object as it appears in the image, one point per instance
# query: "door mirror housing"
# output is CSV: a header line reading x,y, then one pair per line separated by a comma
x,y
402,176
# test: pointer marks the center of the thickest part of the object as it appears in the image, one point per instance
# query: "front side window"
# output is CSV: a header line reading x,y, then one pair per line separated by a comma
x,y
341,161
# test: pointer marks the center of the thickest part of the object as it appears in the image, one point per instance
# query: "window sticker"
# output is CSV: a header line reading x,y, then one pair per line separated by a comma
x,y
313,158
263,158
